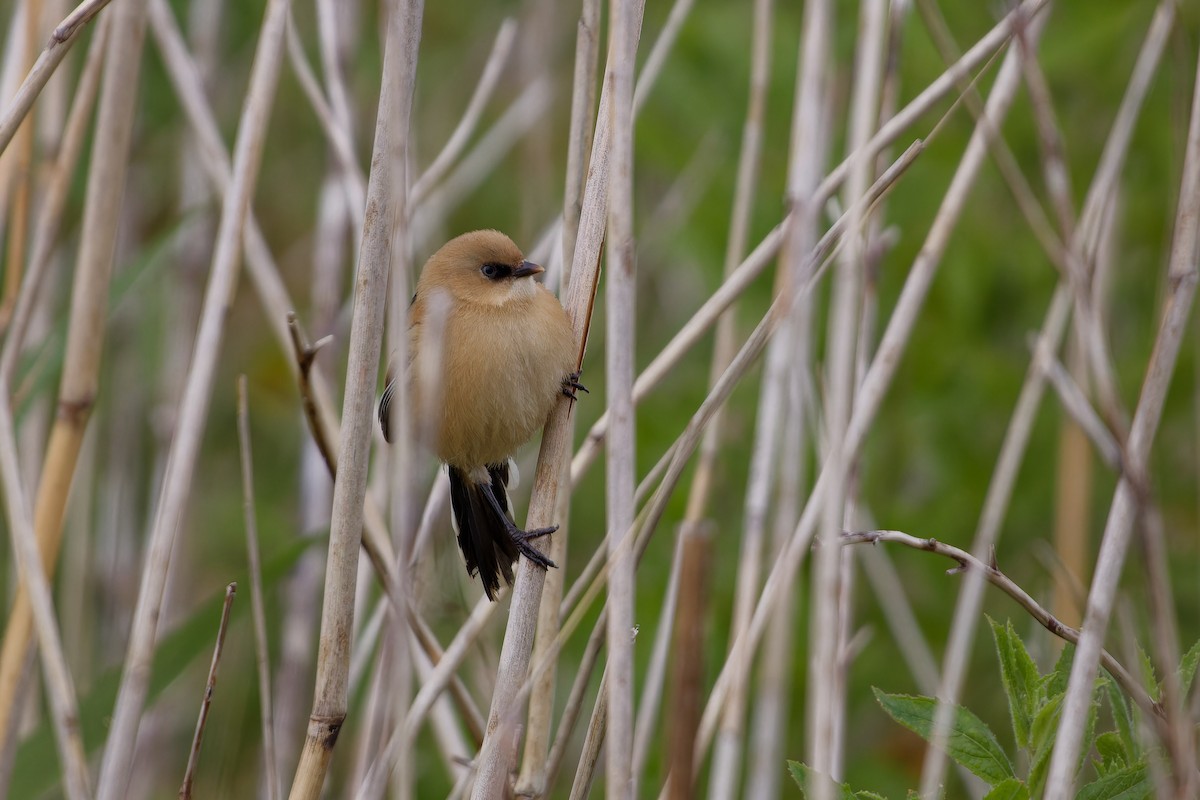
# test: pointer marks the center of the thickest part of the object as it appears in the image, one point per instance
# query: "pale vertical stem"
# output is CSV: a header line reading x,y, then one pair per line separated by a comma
x,y
20,160
1182,276
176,486
619,353
583,105
32,304
656,672
498,753
261,641
1000,489
829,613
366,336
735,245
772,705
89,308
189,775
883,367
336,24
585,771
536,764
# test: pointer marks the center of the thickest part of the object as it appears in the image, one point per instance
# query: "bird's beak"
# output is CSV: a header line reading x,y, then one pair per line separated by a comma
x,y
527,268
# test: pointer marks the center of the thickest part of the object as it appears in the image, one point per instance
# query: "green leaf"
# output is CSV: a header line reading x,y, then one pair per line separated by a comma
x,y
971,743
1131,783
1020,677
865,795
1011,789
1123,718
803,776
36,767
1042,741
1112,753
1056,681
1149,677
1187,668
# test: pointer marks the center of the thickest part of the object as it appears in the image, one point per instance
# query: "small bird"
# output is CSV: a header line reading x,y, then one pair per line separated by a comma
x,y
507,352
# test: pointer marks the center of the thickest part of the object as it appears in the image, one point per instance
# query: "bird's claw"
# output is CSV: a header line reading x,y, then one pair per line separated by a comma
x,y
522,538
571,385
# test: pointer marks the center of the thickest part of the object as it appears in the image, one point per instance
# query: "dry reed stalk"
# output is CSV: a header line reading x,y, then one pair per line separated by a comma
x,y
593,740
210,685
273,296
538,765
983,50
574,703
118,756
89,304
19,163
337,615
261,649
499,749
829,611
55,51
620,467
1000,489
882,369
1182,276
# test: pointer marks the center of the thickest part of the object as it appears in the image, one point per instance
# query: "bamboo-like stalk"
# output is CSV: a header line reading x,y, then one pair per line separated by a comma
x,y
337,614
875,382
585,770
1182,275
1000,488
620,293
499,748
261,649
20,161
85,334
189,774
185,446
538,762
687,669
55,51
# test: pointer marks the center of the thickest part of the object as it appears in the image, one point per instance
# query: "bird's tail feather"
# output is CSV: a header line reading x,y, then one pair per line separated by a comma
x,y
485,544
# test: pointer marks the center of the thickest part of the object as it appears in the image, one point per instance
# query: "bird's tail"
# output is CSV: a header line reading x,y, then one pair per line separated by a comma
x,y
485,544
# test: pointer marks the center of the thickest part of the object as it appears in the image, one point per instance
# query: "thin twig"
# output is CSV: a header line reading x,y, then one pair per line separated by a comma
x,y
210,686
968,564
256,591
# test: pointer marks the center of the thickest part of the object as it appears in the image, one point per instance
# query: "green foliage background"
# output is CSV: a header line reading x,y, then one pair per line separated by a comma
x,y
931,452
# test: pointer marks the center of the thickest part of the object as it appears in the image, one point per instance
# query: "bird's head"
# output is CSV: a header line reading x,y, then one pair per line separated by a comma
x,y
482,267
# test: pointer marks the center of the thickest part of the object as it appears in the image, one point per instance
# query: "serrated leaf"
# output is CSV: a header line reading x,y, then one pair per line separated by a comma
x,y
1056,681
1011,789
1112,752
971,743
1187,668
1131,783
1045,723
803,776
1123,719
1149,677
1020,678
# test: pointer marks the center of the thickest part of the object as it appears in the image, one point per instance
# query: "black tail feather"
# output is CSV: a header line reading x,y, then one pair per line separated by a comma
x,y
485,544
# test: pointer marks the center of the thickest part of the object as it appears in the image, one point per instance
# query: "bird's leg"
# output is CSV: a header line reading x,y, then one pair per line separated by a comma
x,y
571,384
519,537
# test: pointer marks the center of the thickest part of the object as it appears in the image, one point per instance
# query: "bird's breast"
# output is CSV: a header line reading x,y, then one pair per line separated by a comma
x,y
500,372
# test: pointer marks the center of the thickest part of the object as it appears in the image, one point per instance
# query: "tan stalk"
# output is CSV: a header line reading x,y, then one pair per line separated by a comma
x,y
89,311
1182,277
185,447
337,614
189,774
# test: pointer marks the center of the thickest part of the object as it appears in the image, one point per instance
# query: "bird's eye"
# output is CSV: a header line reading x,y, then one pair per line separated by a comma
x,y
493,271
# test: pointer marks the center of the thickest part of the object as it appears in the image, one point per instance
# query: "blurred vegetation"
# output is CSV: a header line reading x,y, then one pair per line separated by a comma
x,y
930,454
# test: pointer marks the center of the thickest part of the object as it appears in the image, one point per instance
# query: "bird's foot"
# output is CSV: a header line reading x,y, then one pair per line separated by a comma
x,y
522,540
571,385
